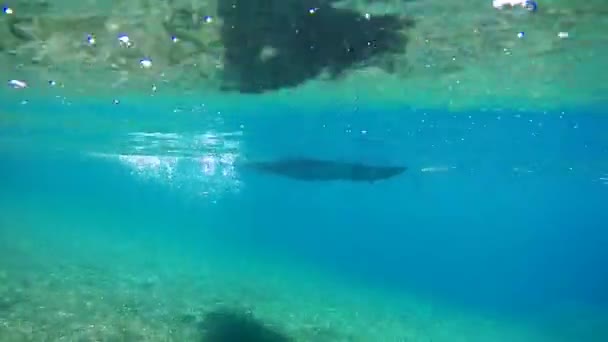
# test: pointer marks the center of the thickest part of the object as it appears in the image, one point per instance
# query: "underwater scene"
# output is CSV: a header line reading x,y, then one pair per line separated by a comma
x,y
304,170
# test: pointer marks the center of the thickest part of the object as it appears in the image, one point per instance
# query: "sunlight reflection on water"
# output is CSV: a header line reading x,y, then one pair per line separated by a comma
x,y
201,164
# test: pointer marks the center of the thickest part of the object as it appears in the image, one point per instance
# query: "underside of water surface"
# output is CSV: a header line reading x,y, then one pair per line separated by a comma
x,y
453,54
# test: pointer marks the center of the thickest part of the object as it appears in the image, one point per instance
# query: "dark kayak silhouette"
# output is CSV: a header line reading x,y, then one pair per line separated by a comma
x,y
325,170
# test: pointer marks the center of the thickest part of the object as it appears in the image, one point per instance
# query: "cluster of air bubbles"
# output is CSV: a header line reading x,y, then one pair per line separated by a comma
x,y
205,175
124,41
91,39
17,84
529,5
145,63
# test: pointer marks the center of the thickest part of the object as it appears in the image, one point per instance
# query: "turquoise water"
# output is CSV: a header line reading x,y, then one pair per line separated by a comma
x,y
132,222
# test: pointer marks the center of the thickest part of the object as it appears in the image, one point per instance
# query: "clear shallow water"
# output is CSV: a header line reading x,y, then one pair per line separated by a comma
x,y
496,232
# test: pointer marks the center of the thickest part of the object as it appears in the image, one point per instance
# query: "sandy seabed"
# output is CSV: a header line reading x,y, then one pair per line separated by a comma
x,y
61,280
